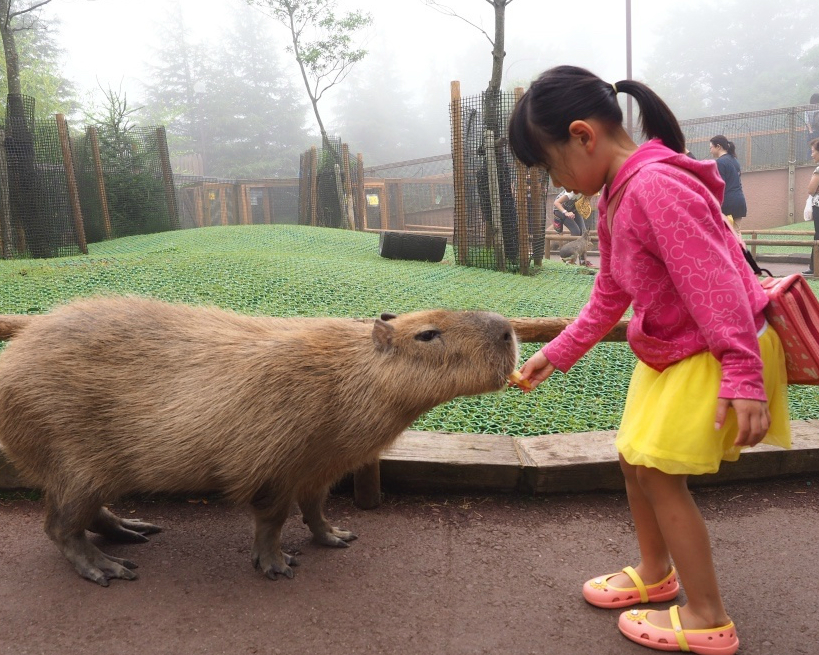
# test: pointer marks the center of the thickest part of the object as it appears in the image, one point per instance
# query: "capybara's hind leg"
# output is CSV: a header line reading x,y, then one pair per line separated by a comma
x,y
311,504
112,527
65,524
270,512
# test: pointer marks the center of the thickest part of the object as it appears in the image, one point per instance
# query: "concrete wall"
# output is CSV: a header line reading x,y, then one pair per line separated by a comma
x,y
766,193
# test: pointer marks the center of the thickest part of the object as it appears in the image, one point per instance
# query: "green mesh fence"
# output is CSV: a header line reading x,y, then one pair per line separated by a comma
x,y
327,178
487,215
284,270
36,215
138,192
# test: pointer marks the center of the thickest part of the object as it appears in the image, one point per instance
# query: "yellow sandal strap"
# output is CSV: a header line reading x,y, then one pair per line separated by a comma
x,y
674,613
638,582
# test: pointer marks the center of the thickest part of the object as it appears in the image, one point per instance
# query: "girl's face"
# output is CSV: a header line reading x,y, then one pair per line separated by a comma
x,y
716,151
572,169
814,154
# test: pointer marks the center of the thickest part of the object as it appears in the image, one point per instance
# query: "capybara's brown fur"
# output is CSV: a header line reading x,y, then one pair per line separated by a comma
x,y
11,324
113,396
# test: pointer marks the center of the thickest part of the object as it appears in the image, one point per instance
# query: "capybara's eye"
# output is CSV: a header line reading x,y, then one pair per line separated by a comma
x,y
427,335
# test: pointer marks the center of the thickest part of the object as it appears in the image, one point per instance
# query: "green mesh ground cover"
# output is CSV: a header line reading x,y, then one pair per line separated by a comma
x,y
287,270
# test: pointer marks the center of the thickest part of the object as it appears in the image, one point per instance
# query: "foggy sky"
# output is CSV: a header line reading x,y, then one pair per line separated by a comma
x,y
109,42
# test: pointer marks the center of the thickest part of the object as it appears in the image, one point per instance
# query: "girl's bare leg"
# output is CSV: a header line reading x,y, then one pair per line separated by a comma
x,y
683,530
669,526
655,559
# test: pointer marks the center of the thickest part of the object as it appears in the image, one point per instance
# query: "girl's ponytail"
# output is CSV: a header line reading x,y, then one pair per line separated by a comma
x,y
656,119
728,146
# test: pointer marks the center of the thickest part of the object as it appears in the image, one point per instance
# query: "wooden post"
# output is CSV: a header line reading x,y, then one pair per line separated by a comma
x,y
303,182
167,177
208,205
5,209
313,186
223,205
367,486
198,198
242,201
460,234
348,186
71,182
494,199
95,153
536,180
342,199
523,185
384,207
399,204
267,207
361,214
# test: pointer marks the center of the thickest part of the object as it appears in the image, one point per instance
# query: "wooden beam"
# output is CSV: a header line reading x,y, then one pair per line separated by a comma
x,y
71,183
461,234
95,153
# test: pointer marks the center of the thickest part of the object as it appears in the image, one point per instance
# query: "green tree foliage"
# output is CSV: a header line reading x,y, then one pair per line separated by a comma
x,y
40,64
735,56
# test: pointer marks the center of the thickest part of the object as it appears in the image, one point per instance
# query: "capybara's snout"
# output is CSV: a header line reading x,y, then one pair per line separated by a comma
x,y
501,350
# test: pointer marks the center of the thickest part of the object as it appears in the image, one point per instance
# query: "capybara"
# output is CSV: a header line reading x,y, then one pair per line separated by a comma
x,y
111,396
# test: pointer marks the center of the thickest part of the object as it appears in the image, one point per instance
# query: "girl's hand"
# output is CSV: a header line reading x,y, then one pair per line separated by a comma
x,y
753,419
536,369
569,214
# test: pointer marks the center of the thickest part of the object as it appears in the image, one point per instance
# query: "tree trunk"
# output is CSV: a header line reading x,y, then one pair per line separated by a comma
x,y
498,52
10,49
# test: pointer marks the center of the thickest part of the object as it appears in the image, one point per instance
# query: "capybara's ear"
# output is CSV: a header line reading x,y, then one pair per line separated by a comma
x,y
388,316
382,335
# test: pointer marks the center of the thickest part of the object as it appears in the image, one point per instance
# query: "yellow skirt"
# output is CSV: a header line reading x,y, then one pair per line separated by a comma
x,y
668,420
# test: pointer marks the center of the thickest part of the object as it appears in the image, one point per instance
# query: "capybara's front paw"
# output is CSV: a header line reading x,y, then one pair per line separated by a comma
x,y
274,564
335,537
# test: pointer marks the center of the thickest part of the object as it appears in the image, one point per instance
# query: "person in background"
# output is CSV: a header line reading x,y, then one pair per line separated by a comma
x,y
710,377
813,190
733,201
567,214
572,210
812,121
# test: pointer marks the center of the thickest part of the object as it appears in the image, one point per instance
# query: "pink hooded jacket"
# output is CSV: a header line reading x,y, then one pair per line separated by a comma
x,y
671,256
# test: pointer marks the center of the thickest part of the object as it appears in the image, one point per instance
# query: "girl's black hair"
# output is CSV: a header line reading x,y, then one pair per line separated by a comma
x,y
728,146
565,94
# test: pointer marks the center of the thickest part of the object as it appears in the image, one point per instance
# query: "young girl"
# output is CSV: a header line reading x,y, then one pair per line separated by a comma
x,y
711,374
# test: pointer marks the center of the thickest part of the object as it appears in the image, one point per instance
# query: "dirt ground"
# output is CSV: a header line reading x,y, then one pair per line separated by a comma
x,y
428,575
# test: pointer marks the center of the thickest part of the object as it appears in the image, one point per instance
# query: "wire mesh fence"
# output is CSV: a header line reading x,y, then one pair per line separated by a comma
x,y
499,205
437,166
205,202
327,179
125,183
37,216
774,138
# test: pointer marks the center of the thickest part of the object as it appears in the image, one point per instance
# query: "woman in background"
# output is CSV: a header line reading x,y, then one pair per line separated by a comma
x,y
733,202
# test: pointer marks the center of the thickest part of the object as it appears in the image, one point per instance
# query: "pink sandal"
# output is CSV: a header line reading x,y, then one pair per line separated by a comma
x,y
599,593
635,625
